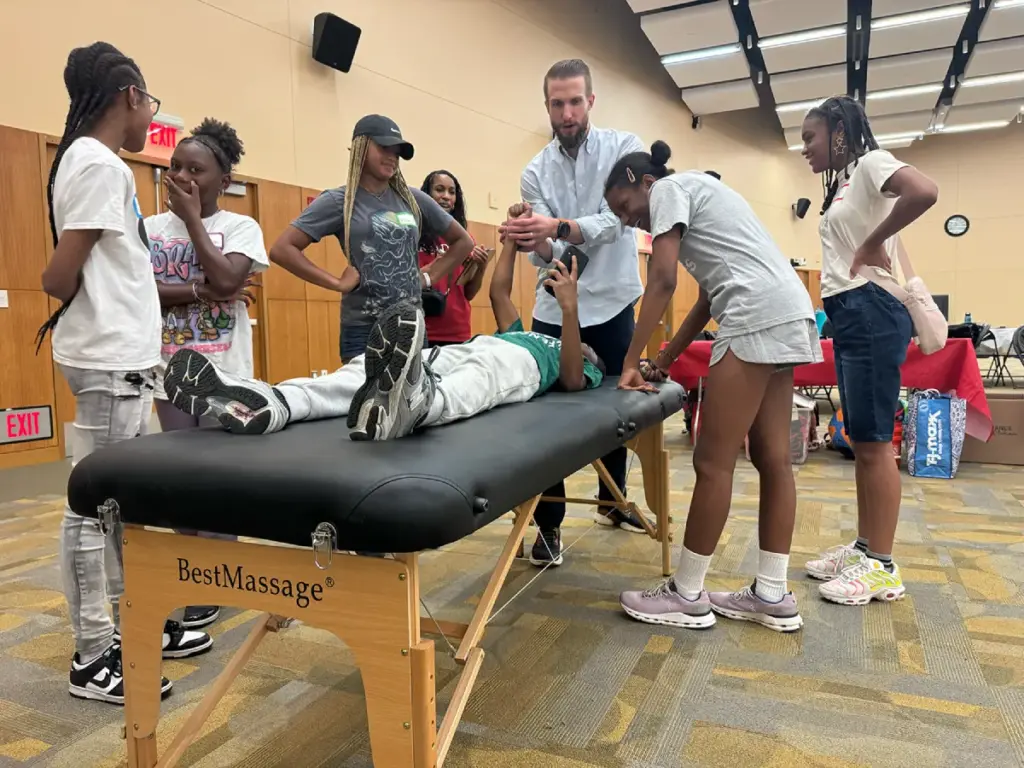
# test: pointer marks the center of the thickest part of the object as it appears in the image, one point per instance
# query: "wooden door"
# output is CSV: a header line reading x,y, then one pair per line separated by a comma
x,y
323,307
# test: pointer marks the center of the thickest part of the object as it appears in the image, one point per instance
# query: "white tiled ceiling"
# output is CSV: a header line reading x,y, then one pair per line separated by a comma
x,y
728,55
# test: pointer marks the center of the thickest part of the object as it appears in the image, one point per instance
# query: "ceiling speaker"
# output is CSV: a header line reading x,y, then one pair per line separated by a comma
x,y
334,41
801,206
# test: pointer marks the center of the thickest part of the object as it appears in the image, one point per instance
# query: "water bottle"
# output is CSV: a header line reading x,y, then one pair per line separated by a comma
x,y
968,319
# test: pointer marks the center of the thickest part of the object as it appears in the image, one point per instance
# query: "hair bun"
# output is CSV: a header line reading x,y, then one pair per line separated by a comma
x,y
224,136
660,153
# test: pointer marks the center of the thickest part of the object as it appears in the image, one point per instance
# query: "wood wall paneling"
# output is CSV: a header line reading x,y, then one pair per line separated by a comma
x,y
324,321
24,231
278,206
287,332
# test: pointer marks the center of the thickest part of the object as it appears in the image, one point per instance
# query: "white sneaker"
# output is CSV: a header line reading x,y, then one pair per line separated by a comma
x,y
867,580
399,388
833,562
244,406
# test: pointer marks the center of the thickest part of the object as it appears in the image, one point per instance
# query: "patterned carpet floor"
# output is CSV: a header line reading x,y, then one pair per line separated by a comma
x,y
570,682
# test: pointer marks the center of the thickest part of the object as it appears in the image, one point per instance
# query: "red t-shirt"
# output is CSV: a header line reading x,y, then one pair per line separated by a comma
x,y
456,322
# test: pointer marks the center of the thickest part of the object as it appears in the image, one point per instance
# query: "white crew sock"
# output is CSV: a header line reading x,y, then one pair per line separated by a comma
x,y
771,576
689,578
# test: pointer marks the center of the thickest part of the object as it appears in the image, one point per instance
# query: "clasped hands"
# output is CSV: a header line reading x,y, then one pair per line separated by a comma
x,y
530,230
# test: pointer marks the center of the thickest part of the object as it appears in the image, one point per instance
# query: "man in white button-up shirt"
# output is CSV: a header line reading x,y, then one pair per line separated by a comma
x,y
564,184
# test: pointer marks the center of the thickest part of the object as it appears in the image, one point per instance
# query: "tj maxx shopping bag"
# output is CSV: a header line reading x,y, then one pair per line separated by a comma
x,y
934,434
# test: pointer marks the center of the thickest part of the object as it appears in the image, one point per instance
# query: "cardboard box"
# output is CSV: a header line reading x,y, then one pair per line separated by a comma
x,y
1007,443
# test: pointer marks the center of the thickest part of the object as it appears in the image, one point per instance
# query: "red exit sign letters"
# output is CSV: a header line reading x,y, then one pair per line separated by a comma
x,y
25,425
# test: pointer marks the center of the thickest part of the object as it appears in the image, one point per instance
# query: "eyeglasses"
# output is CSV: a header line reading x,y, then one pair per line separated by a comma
x,y
154,102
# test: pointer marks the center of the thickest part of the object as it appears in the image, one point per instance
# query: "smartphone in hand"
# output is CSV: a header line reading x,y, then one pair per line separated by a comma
x,y
566,258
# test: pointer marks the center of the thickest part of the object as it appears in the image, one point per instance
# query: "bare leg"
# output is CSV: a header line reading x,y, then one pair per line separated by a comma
x,y
878,482
769,451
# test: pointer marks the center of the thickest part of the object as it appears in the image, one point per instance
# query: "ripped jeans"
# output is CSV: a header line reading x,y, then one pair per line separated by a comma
x,y
110,406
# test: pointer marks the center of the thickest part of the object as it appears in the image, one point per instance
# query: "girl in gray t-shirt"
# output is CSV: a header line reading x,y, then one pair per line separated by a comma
x,y
766,328
378,220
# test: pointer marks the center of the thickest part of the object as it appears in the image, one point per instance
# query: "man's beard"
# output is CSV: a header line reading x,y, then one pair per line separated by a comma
x,y
570,143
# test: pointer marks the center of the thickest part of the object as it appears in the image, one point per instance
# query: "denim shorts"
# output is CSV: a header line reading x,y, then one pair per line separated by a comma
x,y
872,331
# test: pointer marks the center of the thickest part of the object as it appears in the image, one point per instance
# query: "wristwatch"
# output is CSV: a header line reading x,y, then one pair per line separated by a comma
x,y
563,231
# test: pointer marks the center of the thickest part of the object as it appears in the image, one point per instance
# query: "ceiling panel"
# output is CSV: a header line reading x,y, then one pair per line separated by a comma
x,y
997,57
716,70
911,69
642,6
689,29
983,113
794,118
893,7
915,37
981,91
918,101
809,84
916,121
817,53
1003,22
777,17
724,97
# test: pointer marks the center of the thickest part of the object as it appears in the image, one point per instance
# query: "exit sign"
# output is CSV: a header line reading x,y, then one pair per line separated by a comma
x,y
26,425
162,137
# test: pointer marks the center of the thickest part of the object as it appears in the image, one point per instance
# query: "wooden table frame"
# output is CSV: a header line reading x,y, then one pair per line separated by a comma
x,y
381,625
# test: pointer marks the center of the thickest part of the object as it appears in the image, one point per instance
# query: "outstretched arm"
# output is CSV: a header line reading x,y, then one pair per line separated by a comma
x,y
505,314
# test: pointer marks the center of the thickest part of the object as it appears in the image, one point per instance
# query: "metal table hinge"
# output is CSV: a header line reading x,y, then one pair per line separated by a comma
x,y
109,514
325,539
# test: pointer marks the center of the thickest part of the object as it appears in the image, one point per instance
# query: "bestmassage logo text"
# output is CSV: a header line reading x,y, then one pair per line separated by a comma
x,y
236,577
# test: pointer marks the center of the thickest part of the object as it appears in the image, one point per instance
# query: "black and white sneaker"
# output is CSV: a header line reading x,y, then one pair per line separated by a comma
x,y
399,389
547,549
101,679
178,642
627,521
198,616
243,406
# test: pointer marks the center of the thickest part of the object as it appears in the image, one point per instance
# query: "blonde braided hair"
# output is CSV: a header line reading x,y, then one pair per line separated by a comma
x,y
357,158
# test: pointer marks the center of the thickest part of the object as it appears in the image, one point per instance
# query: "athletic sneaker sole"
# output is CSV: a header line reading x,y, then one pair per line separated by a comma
x,y
201,622
194,385
541,563
883,596
610,521
787,624
90,695
388,360
195,650
683,620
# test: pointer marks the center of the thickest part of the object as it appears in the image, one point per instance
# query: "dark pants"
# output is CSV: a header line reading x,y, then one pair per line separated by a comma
x,y
610,341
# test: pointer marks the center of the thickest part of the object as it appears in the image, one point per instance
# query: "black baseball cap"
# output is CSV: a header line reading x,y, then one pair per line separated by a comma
x,y
384,131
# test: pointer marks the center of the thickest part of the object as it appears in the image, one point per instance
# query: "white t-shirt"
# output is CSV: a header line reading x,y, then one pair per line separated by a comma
x,y
113,322
220,331
730,254
856,211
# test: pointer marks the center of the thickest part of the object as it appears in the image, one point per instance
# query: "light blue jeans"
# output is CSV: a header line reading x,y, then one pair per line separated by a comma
x,y
110,406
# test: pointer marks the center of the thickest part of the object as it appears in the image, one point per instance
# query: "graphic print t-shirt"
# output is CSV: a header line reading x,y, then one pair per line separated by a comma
x,y
113,322
384,242
221,331
547,351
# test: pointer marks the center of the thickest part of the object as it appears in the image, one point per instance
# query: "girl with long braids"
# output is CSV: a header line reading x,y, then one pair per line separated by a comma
x,y
379,221
870,197
203,258
454,324
106,335
766,328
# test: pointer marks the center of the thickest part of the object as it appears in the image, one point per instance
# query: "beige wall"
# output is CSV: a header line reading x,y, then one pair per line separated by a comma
x,y
979,175
462,78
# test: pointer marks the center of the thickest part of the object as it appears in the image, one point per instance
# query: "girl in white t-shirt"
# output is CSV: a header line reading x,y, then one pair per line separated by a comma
x,y
106,336
203,258
870,197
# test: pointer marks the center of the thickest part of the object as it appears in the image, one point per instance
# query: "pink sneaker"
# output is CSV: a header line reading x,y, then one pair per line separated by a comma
x,y
664,605
745,605
833,562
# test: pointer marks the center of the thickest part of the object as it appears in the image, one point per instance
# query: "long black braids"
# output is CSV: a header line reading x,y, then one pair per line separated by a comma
x,y
429,244
93,76
849,138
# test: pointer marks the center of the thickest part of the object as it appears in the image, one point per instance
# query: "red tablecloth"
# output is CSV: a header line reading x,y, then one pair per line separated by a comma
x,y
954,368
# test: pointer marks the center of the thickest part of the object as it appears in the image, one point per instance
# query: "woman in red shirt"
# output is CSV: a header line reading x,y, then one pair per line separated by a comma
x,y
453,326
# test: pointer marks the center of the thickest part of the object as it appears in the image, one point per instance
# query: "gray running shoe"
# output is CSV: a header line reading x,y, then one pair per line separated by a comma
x,y
745,605
399,387
664,605
243,406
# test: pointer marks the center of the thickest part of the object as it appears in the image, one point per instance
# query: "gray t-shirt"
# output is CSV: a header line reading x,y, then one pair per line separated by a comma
x,y
384,242
730,254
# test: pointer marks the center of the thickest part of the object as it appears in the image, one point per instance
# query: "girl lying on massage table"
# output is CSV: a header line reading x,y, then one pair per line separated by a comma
x,y
397,387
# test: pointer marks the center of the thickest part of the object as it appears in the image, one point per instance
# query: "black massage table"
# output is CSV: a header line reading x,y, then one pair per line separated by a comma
x,y
318,493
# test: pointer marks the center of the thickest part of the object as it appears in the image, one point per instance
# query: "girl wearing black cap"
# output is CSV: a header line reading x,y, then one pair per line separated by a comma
x,y
379,228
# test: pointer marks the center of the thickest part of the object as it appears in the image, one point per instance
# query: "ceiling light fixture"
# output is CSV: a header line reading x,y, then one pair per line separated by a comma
x,y
884,138
898,93
807,36
979,82
920,17
799,106
689,57
1000,4
968,127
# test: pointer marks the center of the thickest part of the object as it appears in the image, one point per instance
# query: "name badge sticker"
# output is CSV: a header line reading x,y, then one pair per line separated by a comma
x,y
406,219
